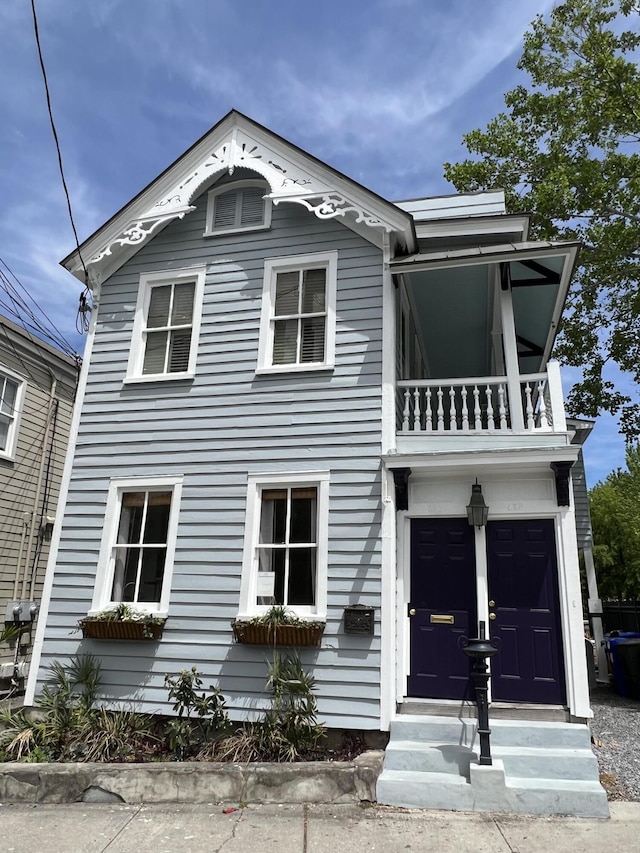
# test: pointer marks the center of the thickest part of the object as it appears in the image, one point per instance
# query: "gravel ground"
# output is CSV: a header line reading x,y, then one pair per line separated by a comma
x,y
615,731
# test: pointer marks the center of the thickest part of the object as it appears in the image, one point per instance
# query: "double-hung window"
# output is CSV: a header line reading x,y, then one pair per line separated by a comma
x,y
297,330
136,558
11,396
238,206
285,559
166,325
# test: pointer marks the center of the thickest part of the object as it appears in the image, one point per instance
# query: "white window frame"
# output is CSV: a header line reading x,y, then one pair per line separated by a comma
x,y
106,560
230,186
9,453
148,281
256,484
273,266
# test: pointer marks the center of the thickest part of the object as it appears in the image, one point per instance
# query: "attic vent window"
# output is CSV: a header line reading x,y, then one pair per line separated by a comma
x,y
240,206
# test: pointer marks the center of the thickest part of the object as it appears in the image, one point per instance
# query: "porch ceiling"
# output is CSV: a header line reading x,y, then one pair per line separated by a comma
x,y
455,305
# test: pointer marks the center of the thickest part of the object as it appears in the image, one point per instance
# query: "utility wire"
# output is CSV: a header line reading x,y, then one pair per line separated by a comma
x,y
82,320
50,330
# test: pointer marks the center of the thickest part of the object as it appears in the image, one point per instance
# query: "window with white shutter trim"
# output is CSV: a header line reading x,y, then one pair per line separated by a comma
x,y
240,206
285,555
298,313
11,395
166,325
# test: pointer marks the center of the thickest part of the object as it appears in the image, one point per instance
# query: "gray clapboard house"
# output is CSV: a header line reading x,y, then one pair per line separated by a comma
x,y
290,388
37,388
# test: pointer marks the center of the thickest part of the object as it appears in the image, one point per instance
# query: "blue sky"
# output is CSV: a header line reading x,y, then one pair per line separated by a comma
x,y
380,89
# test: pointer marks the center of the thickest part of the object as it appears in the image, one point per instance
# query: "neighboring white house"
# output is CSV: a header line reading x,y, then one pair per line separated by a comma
x,y
290,388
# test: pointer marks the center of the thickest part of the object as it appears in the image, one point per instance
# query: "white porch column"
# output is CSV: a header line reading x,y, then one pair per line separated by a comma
x,y
511,356
595,606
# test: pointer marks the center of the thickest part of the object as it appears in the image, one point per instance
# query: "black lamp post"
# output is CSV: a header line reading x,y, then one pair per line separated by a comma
x,y
479,649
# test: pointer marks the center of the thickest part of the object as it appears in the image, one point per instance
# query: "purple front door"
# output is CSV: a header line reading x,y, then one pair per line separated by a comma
x,y
523,595
443,596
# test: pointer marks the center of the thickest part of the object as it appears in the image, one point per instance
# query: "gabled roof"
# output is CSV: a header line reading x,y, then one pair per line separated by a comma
x,y
234,142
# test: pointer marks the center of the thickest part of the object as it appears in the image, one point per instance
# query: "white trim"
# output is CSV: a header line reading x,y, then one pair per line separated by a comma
x,y
104,575
49,577
273,266
255,484
388,656
230,186
136,353
9,453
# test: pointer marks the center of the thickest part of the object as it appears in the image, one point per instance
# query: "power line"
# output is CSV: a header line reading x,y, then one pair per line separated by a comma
x,y
82,320
18,308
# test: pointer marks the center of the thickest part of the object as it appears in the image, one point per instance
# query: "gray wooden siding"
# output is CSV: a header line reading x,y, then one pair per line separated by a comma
x,y
19,477
581,503
216,430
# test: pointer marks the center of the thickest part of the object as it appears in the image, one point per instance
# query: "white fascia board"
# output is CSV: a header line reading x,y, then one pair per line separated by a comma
x,y
516,458
235,142
563,290
484,254
474,225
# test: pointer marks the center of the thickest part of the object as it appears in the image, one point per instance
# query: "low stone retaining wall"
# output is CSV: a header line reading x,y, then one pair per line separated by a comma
x,y
197,782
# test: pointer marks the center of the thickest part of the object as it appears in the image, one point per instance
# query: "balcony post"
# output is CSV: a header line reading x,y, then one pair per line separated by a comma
x,y
510,350
556,400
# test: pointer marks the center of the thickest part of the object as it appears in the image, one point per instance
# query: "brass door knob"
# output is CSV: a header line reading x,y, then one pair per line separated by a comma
x,y
492,616
492,603
412,612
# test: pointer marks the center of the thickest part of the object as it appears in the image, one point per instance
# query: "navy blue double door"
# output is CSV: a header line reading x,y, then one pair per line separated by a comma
x,y
523,598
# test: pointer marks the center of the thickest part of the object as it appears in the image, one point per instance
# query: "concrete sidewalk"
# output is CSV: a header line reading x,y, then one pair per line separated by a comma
x,y
82,828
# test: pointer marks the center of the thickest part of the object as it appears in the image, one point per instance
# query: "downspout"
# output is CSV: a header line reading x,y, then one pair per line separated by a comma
x,y
23,536
45,501
388,671
36,500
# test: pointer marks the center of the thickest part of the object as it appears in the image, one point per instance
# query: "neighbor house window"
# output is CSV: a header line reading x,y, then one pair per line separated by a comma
x,y
238,206
166,325
11,395
298,313
136,559
286,544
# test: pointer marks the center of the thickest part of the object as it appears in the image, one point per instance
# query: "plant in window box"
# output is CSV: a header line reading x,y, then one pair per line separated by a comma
x,y
122,622
277,627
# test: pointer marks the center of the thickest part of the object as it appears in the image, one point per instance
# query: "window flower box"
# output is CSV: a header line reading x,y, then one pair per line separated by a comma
x,y
122,623
277,627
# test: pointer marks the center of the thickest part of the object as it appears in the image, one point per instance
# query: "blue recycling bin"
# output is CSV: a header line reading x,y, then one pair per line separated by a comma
x,y
618,662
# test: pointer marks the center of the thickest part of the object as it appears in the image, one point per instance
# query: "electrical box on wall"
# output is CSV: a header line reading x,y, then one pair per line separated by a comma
x,y
21,612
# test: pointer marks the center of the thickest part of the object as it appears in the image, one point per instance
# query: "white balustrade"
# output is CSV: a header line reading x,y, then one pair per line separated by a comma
x,y
478,404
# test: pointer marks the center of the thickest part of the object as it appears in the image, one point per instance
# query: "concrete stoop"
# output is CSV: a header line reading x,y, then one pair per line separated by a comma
x,y
538,768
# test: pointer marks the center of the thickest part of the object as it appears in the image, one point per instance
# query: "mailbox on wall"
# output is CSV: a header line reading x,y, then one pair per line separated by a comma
x,y
358,619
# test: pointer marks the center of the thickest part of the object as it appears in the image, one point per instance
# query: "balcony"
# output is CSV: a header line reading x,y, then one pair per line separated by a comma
x,y
481,412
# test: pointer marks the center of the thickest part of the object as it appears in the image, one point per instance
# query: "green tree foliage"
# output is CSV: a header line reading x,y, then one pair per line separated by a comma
x,y
615,517
566,149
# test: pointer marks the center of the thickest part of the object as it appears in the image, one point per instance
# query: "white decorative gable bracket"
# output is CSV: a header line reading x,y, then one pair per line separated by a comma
x,y
288,181
331,205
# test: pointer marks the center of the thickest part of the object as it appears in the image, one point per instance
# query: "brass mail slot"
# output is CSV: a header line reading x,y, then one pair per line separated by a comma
x,y
442,619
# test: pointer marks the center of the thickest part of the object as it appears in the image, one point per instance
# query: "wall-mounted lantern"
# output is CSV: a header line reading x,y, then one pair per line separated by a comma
x,y
477,510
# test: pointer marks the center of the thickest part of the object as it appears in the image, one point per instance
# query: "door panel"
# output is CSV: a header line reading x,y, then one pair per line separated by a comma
x,y
523,583
443,584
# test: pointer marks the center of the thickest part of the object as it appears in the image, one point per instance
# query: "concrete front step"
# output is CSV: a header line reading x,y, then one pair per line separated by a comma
x,y
539,767
503,732
522,761
413,789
